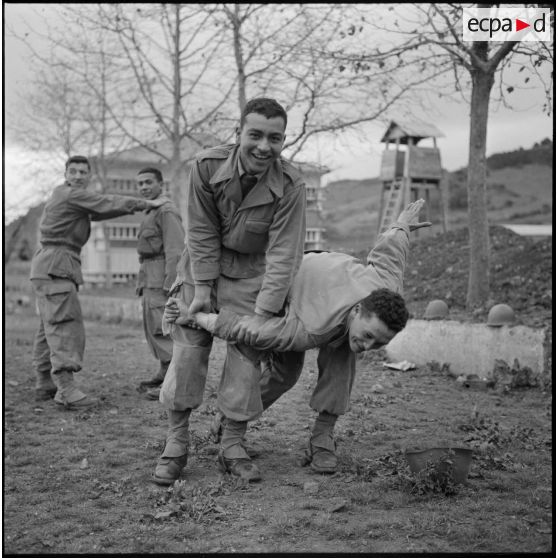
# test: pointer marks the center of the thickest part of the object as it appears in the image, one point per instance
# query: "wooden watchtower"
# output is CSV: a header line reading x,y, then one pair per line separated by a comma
x,y
410,172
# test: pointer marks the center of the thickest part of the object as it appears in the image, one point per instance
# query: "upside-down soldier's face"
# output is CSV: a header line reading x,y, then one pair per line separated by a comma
x,y
368,332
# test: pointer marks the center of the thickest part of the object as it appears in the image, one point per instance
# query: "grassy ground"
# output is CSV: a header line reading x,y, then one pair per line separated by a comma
x,y
79,482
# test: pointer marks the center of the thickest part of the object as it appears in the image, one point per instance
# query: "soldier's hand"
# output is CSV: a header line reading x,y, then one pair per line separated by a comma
x,y
409,216
172,310
177,312
201,301
157,202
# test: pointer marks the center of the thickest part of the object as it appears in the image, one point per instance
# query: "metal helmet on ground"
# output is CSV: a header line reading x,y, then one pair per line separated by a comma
x,y
436,309
499,315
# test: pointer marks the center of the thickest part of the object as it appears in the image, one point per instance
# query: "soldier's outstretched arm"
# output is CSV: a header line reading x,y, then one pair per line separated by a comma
x,y
280,333
389,255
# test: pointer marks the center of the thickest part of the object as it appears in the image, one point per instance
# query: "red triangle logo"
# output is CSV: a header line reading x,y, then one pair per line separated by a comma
x,y
520,25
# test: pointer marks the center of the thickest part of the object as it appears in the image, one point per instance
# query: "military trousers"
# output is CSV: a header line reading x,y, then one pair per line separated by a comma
x,y
153,306
282,365
238,395
60,340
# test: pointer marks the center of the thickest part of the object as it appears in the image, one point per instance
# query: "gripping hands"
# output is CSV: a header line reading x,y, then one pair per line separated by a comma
x,y
176,312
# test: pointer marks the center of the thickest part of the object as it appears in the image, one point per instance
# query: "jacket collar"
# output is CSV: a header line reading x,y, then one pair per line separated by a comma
x,y
272,181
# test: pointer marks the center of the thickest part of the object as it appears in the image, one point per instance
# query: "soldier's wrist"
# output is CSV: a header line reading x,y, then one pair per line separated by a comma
x,y
264,313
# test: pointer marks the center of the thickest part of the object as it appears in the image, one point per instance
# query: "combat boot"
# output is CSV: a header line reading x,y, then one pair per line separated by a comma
x,y
233,457
156,381
216,433
175,455
153,394
151,387
45,388
320,454
68,395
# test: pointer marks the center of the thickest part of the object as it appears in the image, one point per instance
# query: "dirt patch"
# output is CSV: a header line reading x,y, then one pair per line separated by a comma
x,y
521,275
79,482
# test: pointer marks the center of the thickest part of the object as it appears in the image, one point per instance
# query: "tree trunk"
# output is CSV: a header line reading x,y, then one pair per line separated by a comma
x,y
178,186
239,58
177,178
479,241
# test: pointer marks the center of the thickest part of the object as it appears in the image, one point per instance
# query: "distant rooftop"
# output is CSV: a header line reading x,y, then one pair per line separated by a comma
x,y
157,151
416,130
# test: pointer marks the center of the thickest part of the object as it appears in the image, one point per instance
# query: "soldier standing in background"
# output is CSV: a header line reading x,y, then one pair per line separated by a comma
x,y
160,245
56,275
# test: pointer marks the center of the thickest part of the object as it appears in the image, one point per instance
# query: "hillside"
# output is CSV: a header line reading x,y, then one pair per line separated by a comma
x,y
522,193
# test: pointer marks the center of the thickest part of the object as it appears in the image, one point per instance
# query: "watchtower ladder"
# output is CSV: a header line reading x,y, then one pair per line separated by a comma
x,y
393,204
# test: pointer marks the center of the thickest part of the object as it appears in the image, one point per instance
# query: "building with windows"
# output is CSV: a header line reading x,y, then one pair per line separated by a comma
x,y
120,255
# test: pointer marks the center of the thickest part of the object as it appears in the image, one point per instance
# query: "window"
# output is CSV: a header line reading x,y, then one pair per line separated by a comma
x,y
313,235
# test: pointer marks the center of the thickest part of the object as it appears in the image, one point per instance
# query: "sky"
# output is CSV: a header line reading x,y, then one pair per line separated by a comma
x,y
348,157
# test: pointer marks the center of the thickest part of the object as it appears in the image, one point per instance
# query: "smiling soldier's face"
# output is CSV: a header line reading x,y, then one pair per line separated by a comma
x,y
261,140
367,332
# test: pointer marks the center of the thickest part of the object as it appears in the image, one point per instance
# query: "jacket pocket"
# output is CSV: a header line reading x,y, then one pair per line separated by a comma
x,y
154,271
257,226
63,265
255,237
61,304
150,242
154,315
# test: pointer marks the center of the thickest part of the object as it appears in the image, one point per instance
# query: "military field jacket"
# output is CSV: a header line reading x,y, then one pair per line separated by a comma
x,y
329,284
66,225
262,234
326,288
160,245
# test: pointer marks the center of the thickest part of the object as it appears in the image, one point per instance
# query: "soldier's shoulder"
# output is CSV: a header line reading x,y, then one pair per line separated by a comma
x,y
216,152
169,207
292,172
62,189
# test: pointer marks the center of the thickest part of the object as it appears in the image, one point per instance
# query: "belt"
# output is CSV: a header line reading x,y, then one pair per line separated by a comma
x,y
74,249
150,258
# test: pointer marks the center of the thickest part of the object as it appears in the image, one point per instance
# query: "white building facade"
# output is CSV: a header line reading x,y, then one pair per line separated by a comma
x,y
121,255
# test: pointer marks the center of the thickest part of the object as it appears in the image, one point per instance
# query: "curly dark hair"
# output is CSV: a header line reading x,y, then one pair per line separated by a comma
x,y
388,305
152,170
269,108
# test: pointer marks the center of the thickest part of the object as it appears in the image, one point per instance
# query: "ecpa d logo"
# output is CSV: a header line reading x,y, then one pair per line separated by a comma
x,y
506,24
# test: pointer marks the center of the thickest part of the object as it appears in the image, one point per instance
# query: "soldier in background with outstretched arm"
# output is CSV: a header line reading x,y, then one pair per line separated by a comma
x,y
56,276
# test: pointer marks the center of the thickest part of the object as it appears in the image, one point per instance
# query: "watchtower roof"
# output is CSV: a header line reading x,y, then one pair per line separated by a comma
x,y
403,131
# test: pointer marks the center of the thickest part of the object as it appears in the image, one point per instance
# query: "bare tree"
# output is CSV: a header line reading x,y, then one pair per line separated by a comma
x,y
187,61
68,109
295,53
181,72
169,50
429,40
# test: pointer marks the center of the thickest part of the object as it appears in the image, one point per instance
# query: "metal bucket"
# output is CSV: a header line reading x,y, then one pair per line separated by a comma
x,y
461,458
